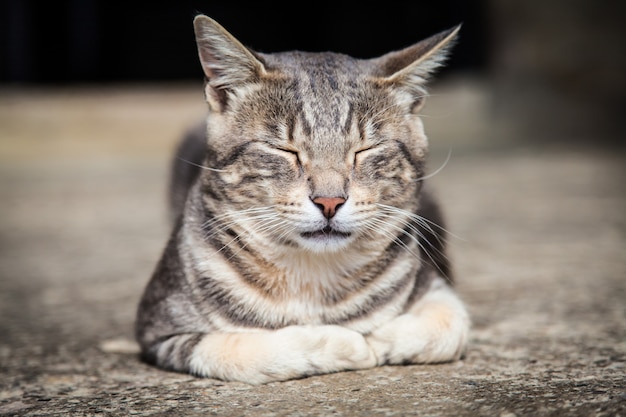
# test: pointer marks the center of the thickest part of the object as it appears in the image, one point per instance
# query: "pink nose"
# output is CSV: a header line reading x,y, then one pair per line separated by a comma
x,y
329,205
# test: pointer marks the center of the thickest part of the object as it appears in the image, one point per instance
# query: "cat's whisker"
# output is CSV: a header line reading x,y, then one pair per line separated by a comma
x,y
236,214
274,223
423,221
415,229
378,226
419,222
270,224
428,247
234,219
248,235
249,221
282,237
265,220
201,166
383,222
438,170
226,221
426,223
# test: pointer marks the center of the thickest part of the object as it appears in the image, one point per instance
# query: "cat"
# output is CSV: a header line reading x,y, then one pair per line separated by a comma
x,y
306,240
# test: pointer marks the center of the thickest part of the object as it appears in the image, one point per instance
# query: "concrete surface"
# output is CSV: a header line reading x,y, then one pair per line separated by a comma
x,y
540,259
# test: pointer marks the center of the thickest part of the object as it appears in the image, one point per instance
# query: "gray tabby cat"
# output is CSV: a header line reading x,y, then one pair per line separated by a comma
x,y
306,241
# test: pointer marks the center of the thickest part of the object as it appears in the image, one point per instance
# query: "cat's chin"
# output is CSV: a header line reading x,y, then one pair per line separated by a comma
x,y
325,240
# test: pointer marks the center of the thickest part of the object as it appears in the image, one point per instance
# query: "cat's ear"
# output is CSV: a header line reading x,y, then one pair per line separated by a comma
x,y
226,63
410,68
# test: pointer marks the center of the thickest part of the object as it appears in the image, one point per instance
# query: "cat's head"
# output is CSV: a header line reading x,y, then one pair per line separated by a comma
x,y
318,151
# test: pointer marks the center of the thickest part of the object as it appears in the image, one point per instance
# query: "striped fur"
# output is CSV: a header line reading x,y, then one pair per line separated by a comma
x,y
306,241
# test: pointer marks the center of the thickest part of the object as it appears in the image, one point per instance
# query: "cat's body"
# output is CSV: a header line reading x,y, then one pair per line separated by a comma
x,y
307,242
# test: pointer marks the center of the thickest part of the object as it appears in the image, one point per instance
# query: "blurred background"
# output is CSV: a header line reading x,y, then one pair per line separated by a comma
x,y
555,68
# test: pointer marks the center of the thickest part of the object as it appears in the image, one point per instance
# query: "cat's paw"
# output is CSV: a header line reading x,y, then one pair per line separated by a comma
x,y
434,330
278,355
329,348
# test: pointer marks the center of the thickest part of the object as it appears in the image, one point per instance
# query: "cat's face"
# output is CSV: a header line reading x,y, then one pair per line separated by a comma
x,y
313,151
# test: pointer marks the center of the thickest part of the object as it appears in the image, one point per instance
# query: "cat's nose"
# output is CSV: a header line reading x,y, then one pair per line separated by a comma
x,y
329,205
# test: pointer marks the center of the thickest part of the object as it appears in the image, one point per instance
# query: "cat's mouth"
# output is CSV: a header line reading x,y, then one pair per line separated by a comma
x,y
326,232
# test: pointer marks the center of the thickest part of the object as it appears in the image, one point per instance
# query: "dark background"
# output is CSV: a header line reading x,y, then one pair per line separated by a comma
x,y
101,41
556,67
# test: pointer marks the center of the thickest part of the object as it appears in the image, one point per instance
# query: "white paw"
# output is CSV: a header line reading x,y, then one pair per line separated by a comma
x,y
329,348
290,352
434,330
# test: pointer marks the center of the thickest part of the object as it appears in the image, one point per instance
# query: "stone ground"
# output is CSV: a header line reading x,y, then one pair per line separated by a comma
x,y
540,260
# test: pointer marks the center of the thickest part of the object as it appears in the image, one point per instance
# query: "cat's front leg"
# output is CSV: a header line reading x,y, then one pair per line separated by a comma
x,y
290,352
435,329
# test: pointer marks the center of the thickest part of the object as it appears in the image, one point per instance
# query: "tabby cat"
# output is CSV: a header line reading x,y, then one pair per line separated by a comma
x,y
306,241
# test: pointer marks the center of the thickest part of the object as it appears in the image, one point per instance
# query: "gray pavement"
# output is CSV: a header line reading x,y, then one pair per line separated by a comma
x,y
540,259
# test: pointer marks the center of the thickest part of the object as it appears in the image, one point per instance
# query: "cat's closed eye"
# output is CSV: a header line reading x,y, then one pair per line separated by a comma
x,y
361,154
293,153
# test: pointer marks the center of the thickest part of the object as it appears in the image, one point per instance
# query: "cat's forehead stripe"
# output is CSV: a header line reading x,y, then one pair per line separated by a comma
x,y
347,126
306,127
291,122
330,117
